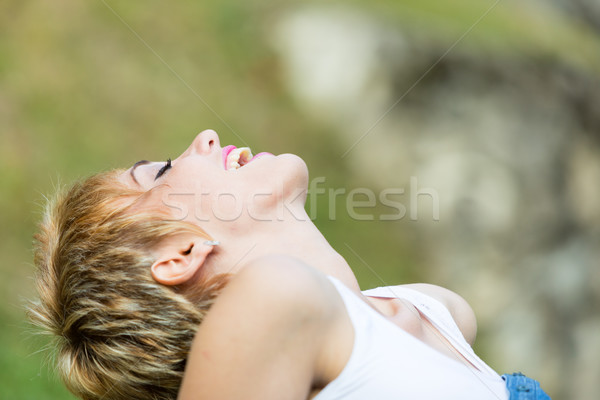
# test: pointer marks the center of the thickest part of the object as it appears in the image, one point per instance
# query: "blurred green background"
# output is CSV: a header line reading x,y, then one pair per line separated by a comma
x,y
88,86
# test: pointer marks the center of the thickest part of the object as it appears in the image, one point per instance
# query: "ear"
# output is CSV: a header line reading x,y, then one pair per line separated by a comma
x,y
179,259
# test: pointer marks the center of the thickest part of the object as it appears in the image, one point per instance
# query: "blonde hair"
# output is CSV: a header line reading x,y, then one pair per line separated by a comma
x,y
118,333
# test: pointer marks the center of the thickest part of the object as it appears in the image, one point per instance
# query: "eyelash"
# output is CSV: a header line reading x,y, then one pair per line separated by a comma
x,y
163,169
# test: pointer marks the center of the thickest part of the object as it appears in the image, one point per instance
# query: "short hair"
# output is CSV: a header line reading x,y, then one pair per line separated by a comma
x,y
118,334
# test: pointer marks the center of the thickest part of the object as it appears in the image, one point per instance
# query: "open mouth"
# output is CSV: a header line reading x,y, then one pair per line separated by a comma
x,y
235,158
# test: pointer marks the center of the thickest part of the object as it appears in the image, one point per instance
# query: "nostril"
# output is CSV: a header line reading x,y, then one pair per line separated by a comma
x,y
205,141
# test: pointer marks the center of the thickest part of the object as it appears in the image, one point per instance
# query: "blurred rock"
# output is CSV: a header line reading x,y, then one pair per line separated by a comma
x,y
511,144
587,11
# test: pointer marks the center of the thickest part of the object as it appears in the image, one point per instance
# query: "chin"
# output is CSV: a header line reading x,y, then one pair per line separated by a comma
x,y
285,168
294,169
285,174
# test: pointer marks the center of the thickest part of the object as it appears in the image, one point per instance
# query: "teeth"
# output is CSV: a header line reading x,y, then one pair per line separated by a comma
x,y
238,157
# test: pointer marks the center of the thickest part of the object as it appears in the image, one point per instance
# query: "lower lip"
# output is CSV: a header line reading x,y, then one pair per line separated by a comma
x,y
259,155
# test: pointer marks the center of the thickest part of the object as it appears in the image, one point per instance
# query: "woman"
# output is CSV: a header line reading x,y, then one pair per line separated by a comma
x,y
215,248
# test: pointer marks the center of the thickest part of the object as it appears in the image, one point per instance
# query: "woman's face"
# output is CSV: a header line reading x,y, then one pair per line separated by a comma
x,y
205,186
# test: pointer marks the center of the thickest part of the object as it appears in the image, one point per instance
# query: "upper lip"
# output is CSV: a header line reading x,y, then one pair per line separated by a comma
x,y
226,150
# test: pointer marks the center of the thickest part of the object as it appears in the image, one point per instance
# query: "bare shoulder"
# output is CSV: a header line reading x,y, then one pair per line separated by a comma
x,y
459,308
281,281
273,290
261,337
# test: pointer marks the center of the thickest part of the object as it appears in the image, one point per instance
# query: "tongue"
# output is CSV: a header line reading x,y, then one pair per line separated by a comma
x,y
245,157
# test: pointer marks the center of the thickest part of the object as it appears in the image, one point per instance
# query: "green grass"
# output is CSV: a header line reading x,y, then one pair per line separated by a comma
x,y
26,373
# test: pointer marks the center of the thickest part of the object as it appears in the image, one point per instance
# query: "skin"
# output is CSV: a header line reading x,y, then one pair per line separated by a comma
x,y
271,191
279,299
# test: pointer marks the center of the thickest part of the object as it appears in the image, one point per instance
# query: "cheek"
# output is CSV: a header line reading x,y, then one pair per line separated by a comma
x,y
215,196
192,193
198,179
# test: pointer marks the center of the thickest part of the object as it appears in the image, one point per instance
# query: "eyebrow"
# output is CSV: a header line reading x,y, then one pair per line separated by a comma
x,y
137,164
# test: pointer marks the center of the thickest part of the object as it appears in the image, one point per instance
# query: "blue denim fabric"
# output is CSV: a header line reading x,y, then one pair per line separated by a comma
x,y
524,388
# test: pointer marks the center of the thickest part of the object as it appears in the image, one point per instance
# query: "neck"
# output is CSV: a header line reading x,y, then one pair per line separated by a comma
x,y
295,236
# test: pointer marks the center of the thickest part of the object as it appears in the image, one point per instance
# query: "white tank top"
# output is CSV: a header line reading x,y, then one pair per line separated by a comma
x,y
388,363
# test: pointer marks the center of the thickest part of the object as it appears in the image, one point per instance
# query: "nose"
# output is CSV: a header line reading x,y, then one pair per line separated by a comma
x,y
204,143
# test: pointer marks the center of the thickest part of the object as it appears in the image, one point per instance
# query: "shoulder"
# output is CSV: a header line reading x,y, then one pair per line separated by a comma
x,y
284,279
459,308
264,329
273,290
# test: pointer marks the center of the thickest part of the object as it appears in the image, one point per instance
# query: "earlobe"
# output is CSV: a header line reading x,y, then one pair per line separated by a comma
x,y
177,263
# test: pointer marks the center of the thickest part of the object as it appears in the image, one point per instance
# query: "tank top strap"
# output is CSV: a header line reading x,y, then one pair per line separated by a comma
x,y
388,363
438,315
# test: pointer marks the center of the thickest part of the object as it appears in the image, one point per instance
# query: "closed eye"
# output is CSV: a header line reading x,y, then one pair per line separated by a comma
x,y
164,169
